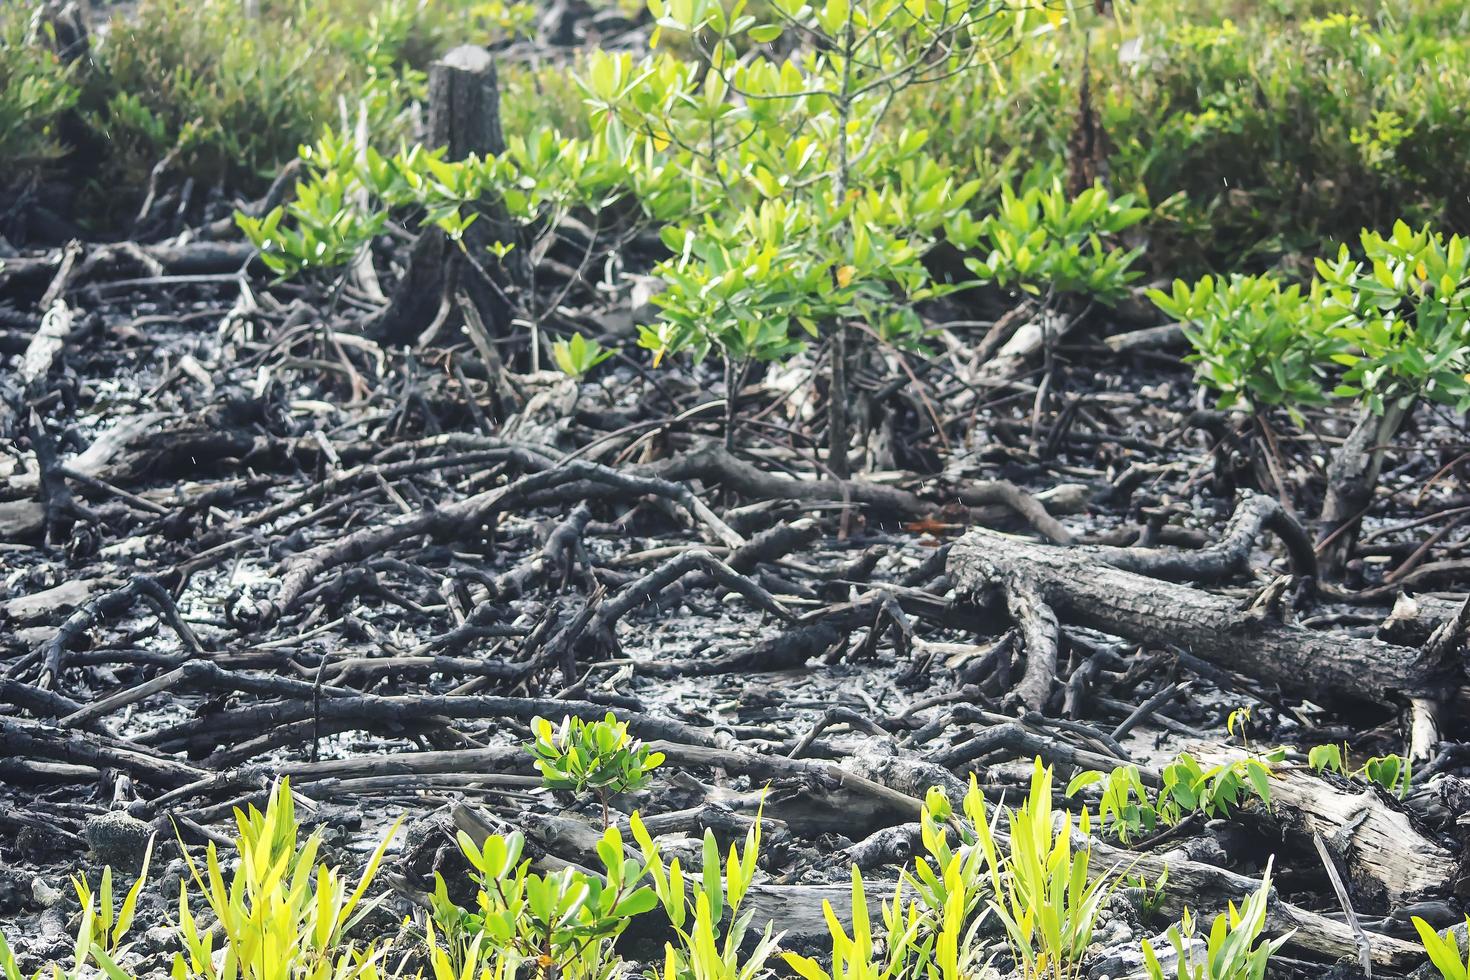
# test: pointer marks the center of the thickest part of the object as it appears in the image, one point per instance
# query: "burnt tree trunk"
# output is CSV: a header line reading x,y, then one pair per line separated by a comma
x,y
1352,477
464,118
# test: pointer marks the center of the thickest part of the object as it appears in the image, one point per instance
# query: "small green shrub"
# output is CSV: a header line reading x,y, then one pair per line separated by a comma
x,y
804,216
1403,310
1231,951
558,925
599,756
1258,342
1045,243
576,355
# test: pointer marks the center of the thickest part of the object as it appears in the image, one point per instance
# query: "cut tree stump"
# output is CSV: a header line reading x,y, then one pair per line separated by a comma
x,y
464,118
1106,589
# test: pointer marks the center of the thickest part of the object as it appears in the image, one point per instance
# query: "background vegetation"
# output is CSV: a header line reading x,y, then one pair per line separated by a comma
x,y
1259,131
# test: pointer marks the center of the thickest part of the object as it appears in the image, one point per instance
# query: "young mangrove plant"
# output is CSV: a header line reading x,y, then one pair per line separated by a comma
x,y
707,915
280,915
1186,787
1393,772
806,216
561,924
599,756
1046,892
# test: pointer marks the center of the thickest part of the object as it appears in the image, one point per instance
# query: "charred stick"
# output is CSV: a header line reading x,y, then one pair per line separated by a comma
x,y
24,739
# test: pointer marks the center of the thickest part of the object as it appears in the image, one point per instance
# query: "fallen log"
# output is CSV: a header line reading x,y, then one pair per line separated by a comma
x,y
1385,855
1114,590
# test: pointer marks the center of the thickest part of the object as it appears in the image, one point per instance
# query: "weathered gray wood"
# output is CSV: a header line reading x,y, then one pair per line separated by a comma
x,y
1385,855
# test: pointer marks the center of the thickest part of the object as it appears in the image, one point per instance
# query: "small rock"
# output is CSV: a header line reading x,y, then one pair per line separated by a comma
x,y
44,894
118,840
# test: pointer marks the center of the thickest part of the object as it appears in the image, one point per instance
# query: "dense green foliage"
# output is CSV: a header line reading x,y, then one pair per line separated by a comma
x,y
1261,130
1185,787
1391,320
36,88
1258,131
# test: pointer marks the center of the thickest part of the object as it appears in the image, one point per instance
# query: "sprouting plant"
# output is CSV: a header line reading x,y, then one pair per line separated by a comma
x,y
1046,894
1328,758
1392,772
99,943
1239,718
903,952
1151,893
109,926
9,969
1231,951
577,355
280,915
599,756
1444,951
935,931
706,914
1185,787
558,925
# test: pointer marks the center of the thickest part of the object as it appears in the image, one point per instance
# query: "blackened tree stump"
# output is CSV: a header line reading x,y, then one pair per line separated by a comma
x,y
464,118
